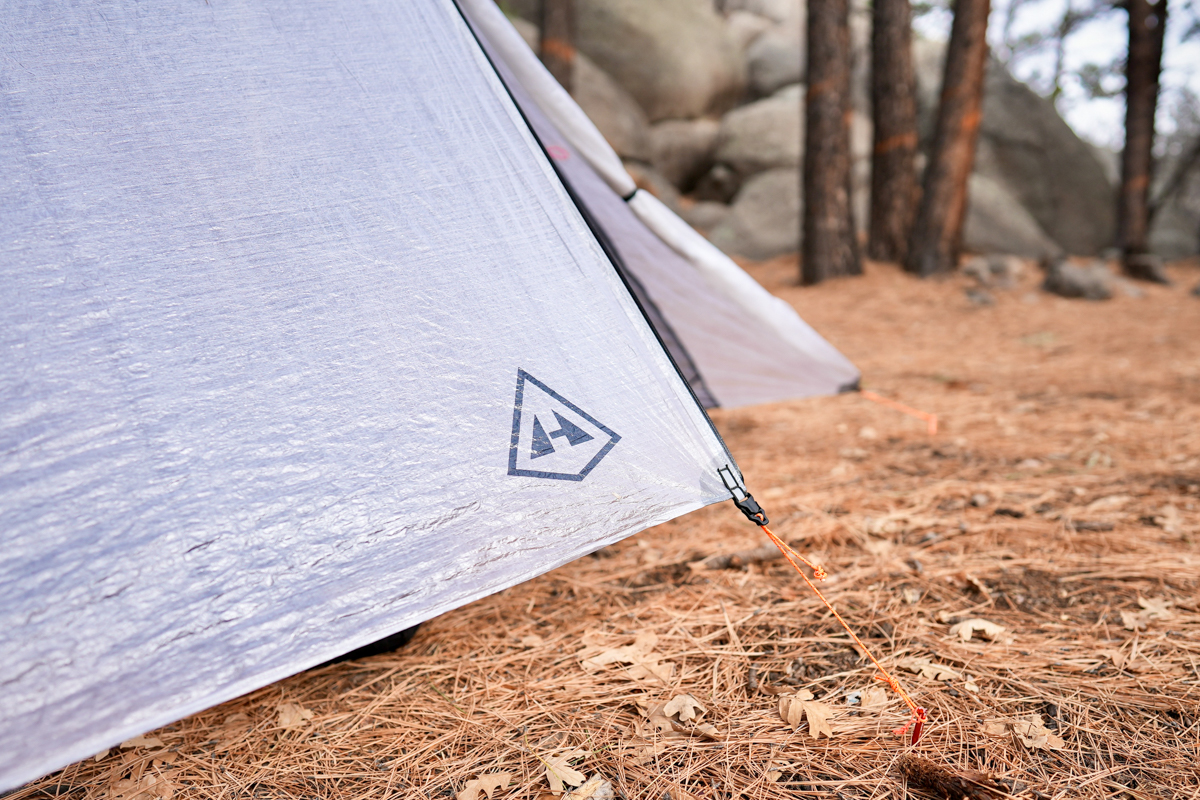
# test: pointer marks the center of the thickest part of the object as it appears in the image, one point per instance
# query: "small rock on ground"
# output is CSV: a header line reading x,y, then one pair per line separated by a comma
x,y
1093,282
996,271
980,297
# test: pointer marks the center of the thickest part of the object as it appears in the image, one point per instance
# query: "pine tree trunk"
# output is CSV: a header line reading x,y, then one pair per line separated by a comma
x,y
1147,22
937,234
893,162
829,248
557,45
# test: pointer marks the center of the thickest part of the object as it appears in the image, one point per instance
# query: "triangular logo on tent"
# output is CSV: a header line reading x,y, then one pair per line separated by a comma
x,y
552,437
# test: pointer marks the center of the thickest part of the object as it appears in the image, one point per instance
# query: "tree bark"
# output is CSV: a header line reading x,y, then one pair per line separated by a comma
x,y
1147,22
830,248
893,161
557,45
937,234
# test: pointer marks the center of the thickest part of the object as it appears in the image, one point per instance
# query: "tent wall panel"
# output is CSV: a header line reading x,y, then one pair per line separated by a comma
x,y
272,272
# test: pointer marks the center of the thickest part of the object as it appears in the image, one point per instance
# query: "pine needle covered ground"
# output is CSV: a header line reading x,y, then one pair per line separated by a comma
x,y
1055,514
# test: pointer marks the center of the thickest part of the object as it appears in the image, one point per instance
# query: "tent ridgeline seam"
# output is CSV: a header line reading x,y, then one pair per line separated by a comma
x,y
605,245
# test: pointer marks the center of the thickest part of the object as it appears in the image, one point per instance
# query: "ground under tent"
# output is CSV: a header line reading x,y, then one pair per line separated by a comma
x,y
310,344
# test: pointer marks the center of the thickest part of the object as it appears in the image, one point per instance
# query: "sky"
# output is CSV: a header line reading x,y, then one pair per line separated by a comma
x,y
1099,41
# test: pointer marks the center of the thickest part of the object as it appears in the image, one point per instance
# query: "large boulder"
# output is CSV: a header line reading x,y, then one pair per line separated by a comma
x,y
765,218
928,57
682,150
761,146
778,10
614,112
676,57
764,134
612,109
745,27
1091,281
1026,147
1024,143
1175,232
998,223
1175,229
776,58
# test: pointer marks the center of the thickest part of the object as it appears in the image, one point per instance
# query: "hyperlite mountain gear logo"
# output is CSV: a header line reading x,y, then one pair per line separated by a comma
x,y
552,437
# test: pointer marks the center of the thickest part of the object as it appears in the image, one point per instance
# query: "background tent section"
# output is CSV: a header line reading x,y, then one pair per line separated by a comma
x,y
747,346
273,272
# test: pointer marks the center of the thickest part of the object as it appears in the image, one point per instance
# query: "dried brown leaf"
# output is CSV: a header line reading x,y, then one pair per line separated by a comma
x,y
927,669
292,716
684,707
150,786
967,629
873,697
1156,607
594,788
995,727
643,754
775,771
142,741
559,771
484,785
654,712
772,689
1169,519
796,708
1033,733
233,729
640,655
1134,621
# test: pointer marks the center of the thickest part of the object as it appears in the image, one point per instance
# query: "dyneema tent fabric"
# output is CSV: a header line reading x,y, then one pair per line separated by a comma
x,y
303,342
740,344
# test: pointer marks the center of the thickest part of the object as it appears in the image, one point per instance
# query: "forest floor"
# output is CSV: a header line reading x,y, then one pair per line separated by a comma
x,y
1057,502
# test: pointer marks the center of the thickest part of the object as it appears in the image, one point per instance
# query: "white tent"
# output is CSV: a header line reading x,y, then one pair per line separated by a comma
x,y
304,342
736,343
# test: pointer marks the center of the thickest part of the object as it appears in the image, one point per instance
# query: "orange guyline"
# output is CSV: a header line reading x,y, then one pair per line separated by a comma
x,y
918,718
